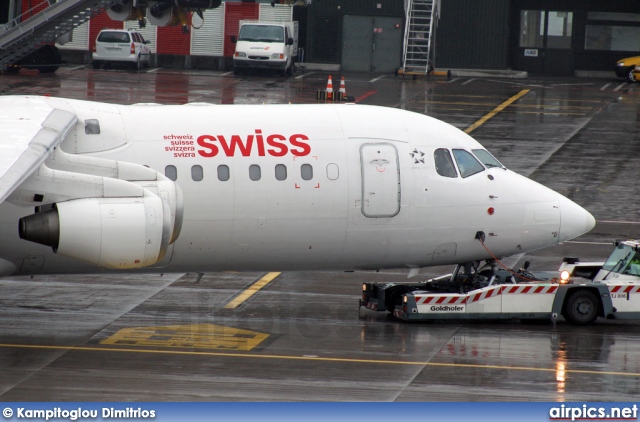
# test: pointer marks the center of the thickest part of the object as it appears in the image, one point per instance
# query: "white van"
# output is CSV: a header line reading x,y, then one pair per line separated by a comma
x,y
266,45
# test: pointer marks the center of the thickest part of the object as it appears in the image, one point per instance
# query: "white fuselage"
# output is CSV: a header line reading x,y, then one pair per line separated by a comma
x,y
284,187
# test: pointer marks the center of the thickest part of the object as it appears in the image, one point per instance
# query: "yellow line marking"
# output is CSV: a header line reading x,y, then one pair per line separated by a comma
x,y
316,358
519,105
195,336
495,111
255,287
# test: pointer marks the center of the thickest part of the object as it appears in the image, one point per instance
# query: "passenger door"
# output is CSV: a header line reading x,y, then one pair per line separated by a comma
x,y
380,180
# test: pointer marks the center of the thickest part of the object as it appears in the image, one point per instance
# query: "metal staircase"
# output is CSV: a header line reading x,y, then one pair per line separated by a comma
x,y
419,33
27,33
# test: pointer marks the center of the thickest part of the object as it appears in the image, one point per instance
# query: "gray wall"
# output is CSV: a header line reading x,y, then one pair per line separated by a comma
x,y
324,25
473,35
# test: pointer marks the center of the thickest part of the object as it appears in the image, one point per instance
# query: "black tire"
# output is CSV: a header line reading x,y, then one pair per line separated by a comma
x,y
630,76
289,71
138,64
581,307
46,59
236,71
393,296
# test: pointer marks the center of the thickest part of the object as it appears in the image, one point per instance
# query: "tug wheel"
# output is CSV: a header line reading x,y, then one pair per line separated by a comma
x,y
581,308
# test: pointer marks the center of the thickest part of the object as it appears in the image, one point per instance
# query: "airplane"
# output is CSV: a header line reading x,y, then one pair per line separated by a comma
x,y
90,187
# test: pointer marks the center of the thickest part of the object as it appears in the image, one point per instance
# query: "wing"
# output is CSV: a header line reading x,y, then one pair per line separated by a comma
x,y
29,130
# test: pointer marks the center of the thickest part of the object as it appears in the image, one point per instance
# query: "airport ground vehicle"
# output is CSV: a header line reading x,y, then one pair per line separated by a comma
x,y
119,45
579,292
628,68
266,45
622,266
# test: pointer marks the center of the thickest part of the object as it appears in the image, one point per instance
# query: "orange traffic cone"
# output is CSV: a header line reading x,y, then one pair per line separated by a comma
x,y
343,88
342,92
329,89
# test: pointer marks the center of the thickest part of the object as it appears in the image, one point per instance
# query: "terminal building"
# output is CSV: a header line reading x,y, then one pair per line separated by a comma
x,y
547,37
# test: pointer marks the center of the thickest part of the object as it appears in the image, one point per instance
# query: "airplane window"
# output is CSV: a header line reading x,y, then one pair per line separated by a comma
x,y
254,172
92,127
444,163
196,173
306,171
332,171
281,172
171,172
467,163
223,173
486,158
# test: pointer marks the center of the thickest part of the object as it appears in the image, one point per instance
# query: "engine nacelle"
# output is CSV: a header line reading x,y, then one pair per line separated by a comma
x,y
172,12
120,233
171,195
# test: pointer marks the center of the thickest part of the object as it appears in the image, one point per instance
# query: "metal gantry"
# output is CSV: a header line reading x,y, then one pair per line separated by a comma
x,y
419,34
29,31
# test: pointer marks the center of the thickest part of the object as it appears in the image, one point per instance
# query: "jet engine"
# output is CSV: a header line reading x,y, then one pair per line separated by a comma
x,y
119,233
108,213
160,12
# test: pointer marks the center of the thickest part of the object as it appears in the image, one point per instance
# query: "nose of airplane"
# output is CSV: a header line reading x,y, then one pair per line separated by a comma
x,y
574,220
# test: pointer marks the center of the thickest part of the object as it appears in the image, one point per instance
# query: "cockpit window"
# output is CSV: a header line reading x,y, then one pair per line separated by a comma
x,y
467,163
444,163
486,158
624,260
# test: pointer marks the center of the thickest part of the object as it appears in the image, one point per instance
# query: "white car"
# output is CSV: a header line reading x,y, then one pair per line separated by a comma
x,y
120,45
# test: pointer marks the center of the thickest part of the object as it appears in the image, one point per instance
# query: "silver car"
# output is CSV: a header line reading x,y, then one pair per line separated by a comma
x,y
120,45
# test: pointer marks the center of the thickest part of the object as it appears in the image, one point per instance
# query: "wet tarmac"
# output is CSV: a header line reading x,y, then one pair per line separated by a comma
x,y
302,337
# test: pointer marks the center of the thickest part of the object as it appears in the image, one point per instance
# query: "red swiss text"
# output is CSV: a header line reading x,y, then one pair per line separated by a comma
x,y
253,144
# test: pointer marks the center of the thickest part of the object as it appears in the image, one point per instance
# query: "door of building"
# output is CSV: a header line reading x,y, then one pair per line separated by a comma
x,y
545,42
371,43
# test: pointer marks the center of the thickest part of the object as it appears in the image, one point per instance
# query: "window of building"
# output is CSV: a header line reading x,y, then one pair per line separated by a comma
x,y
254,172
444,163
306,172
196,173
171,172
532,28
281,172
467,163
612,16
223,173
612,38
560,30
542,28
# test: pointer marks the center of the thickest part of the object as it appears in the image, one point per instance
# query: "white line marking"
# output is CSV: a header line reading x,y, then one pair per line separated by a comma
x,y
619,86
618,222
305,74
155,69
588,243
453,80
605,87
583,84
226,73
78,67
377,79
517,83
469,81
